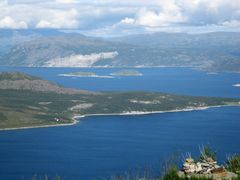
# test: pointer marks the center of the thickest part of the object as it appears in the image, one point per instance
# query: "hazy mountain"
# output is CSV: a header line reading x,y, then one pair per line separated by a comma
x,y
178,40
218,51
9,37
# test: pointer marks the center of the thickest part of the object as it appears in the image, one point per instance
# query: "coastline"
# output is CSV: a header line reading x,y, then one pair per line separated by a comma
x,y
132,113
75,121
139,113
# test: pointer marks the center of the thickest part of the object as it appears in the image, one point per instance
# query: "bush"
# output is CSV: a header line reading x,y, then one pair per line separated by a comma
x,y
172,174
233,164
207,152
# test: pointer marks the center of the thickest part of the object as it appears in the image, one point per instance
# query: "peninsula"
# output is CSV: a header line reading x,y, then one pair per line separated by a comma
x,y
28,101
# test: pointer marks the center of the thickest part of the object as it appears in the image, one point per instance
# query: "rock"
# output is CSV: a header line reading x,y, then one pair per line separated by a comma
x,y
209,171
205,165
198,168
207,168
189,160
219,170
209,159
187,165
225,176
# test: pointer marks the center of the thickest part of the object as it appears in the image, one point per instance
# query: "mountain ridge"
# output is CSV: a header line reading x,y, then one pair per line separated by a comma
x,y
217,51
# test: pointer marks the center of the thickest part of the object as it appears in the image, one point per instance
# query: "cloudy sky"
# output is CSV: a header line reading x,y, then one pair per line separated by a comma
x,y
113,17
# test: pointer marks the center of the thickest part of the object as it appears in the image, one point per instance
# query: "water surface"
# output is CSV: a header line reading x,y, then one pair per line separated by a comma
x,y
108,145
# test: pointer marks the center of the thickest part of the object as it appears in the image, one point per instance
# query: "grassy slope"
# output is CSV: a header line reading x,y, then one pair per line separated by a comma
x,y
24,108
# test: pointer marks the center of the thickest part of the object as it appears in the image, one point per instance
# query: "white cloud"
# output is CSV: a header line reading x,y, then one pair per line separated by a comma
x,y
46,24
231,24
120,16
195,12
127,21
60,19
8,22
3,2
162,18
65,1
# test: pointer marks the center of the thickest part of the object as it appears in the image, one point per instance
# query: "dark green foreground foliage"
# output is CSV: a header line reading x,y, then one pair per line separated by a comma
x,y
207,152
233,164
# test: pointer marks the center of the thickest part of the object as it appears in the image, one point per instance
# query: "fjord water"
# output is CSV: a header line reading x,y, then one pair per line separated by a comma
x,y
108,145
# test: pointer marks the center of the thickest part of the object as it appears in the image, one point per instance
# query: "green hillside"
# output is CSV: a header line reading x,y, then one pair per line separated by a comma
x,y
24,107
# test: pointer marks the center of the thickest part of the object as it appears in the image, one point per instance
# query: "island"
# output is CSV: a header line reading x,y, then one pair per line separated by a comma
x,y
126,73
27,101
83,74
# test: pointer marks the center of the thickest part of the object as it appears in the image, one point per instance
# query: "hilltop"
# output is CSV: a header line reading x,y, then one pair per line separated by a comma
x,y
21,81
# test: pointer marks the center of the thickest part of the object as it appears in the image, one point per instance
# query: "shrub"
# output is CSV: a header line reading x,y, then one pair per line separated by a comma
x,y
172,174
207,152
233,164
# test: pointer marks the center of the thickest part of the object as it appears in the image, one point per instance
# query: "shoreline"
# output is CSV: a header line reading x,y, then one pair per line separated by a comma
x,y
132,113
139,113
75,121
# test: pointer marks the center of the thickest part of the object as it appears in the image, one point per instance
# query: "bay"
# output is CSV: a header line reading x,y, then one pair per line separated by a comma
x,y
102,146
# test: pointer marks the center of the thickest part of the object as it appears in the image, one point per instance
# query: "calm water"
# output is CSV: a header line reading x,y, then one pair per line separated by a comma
x,y
109,145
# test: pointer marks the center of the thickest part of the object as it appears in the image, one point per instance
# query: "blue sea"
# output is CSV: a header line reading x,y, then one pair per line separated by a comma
x,y
104,146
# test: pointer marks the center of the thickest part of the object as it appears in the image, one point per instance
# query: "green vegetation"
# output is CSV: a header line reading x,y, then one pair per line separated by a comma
x,y
207,152
233,164
2,117
21,107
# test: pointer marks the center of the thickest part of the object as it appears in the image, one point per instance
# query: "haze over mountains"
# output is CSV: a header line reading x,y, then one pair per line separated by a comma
x,y
219,51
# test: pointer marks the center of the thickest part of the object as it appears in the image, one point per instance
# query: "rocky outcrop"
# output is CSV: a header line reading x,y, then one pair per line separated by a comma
x,y
205,168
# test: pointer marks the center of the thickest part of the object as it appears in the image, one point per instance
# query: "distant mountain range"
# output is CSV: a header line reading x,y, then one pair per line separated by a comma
x,y
219,51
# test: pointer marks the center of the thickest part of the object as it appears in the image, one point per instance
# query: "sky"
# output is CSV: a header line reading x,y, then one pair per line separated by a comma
x,y
122,17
